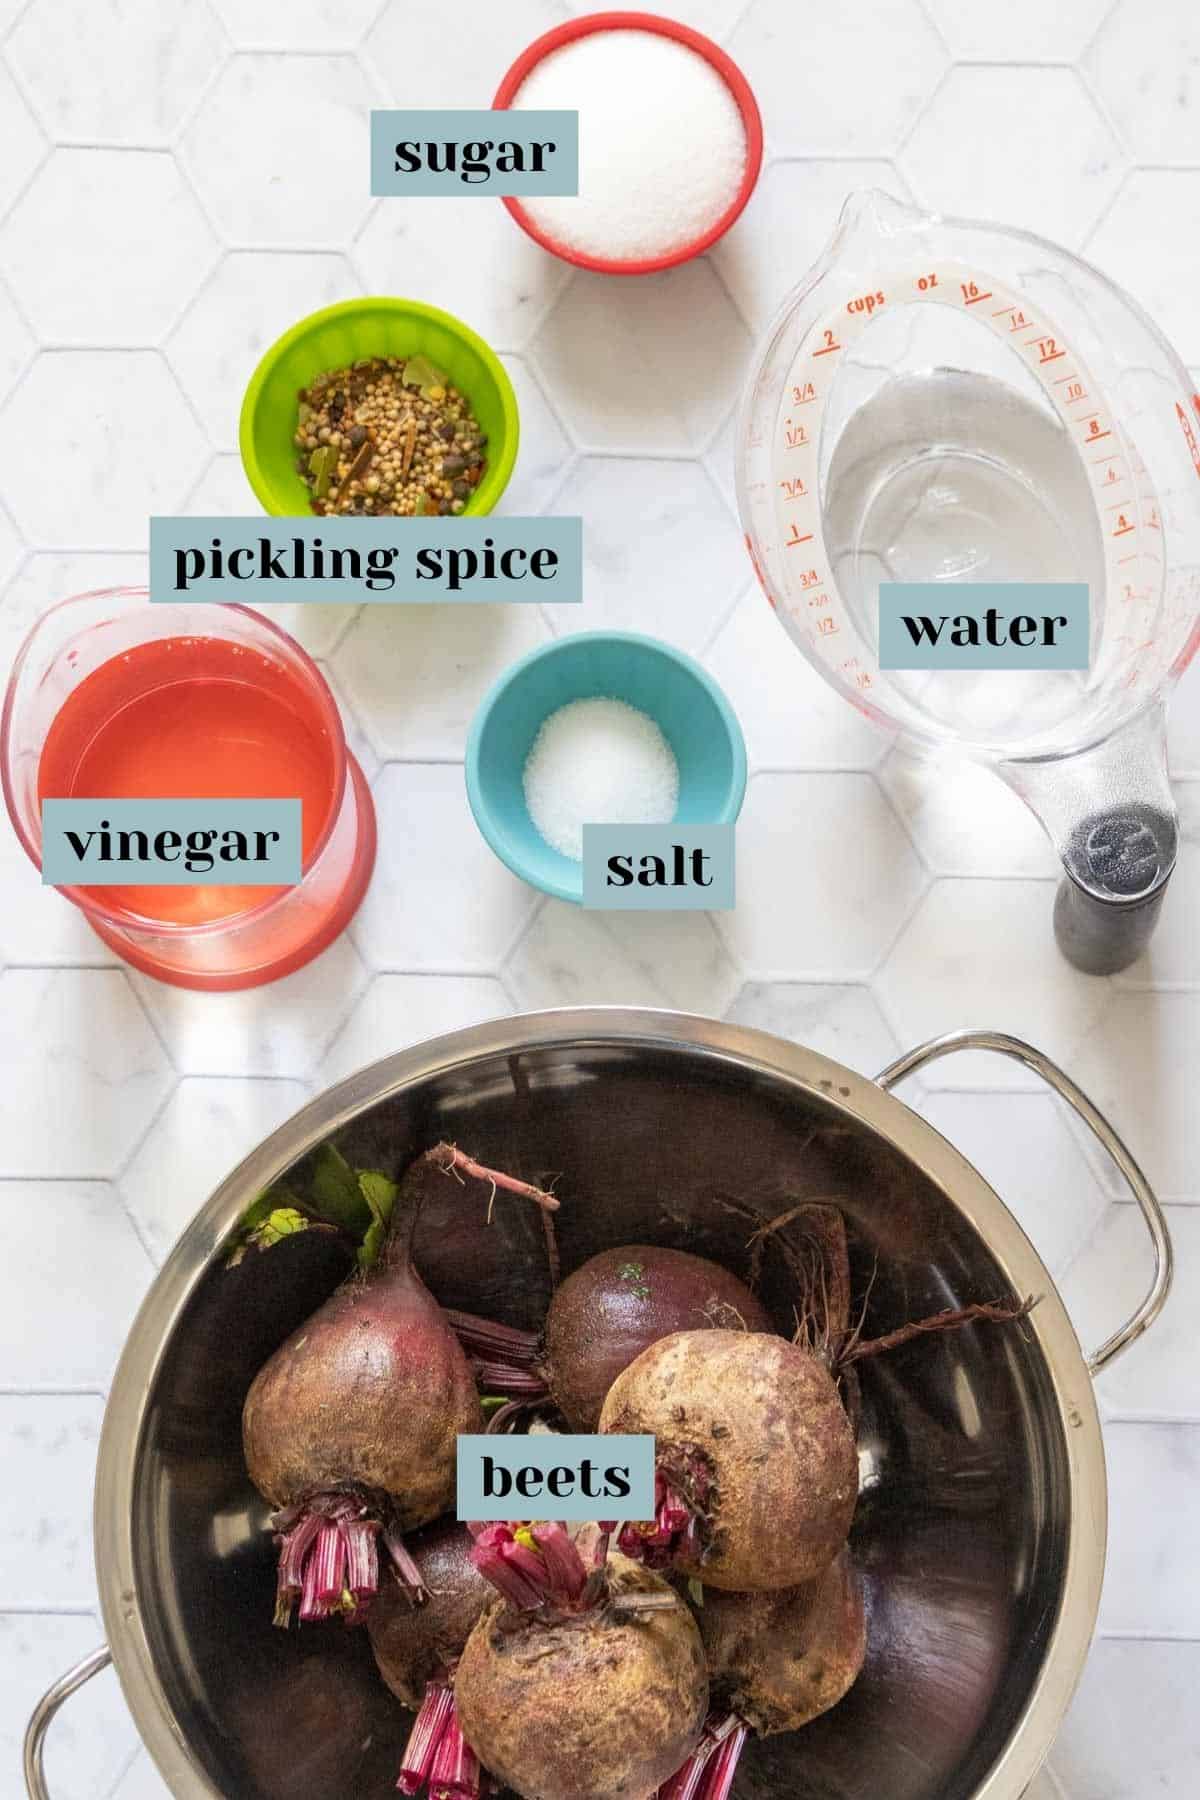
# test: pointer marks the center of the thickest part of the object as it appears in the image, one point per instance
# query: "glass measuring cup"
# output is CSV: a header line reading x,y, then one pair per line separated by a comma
x,y
943,400
99,703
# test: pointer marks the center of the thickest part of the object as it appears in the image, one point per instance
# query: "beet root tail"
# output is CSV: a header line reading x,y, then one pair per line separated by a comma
x,y
452,1160
1004,1312
328,1559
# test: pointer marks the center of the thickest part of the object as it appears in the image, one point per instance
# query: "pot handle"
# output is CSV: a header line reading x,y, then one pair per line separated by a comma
x,y
1101,1129
43,1714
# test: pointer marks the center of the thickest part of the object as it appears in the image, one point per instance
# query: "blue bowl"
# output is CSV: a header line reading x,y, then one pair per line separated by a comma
x,y
689,708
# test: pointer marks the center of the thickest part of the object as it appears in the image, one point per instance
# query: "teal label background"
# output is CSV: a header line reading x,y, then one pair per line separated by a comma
x,y
392,544
462,126
602,841
61,867
634,1455
957,599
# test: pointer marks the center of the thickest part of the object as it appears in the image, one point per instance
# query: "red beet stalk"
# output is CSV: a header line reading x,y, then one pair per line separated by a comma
x,y
437,1709
533,1566
675,1533
456,1774
438,1754
328,1559
708,1772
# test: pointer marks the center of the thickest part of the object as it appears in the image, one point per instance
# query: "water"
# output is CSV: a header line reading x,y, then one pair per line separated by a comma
x,y
945,475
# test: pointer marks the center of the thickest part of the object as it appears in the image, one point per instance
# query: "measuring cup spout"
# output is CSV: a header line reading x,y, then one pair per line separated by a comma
x,y
1111,816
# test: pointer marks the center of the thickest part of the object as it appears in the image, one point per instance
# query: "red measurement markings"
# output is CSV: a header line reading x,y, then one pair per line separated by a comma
x,y
810,579
1003,311
1189,434
804,396
796,538
817,600
1093,434
1018,322
1048,350
827,625
971,294
829,346
1123,526
794,488
795,435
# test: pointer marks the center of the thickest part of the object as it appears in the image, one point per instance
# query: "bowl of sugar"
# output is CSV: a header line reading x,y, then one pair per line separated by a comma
x,y
670,141
605,727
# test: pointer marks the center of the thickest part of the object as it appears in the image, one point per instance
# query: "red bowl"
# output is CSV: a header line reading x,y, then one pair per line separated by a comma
x,y
729,72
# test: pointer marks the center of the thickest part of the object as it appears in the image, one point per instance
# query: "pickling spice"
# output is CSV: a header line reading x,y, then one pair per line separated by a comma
x,y
388,436
662,146
598,762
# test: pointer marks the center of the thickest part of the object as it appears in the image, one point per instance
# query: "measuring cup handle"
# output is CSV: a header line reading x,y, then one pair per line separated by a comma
x,y
1105,1134
43,1714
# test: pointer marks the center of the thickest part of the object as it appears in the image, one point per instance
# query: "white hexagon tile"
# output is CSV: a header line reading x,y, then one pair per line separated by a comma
x,y
235,317
182,179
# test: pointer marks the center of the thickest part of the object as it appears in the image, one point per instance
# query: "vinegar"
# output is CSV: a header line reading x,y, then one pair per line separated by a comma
x,y
193,718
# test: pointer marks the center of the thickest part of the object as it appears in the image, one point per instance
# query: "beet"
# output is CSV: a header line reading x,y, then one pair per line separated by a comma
x,y
756,1460
622,1301
592,1685
350,1428
782,1659
416,1643
604,1315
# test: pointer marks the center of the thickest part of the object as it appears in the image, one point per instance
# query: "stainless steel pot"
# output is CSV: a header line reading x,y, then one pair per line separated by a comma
x,y
982,1524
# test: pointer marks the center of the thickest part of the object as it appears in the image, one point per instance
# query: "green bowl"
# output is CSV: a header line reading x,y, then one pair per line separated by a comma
x,y
341,334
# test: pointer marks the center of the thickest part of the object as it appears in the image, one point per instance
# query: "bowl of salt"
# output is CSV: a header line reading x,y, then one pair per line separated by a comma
x,y
605,727
670,140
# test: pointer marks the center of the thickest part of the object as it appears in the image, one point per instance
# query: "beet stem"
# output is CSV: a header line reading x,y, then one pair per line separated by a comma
x,y
455,1161
995,1312
685,1783
534,1567
437,1709
407,1572
328,1559
484,1337
640,1603
508,1414
456,1774
722,1766
501,1378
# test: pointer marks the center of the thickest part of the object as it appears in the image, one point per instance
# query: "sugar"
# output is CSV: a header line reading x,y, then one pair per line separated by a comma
x,y
662,146
598,762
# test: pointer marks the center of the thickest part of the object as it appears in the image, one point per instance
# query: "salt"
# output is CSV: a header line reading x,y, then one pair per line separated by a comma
x,y
662,146
598,762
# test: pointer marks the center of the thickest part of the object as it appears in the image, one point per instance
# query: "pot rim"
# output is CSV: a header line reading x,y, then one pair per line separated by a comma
x,y
857,1096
